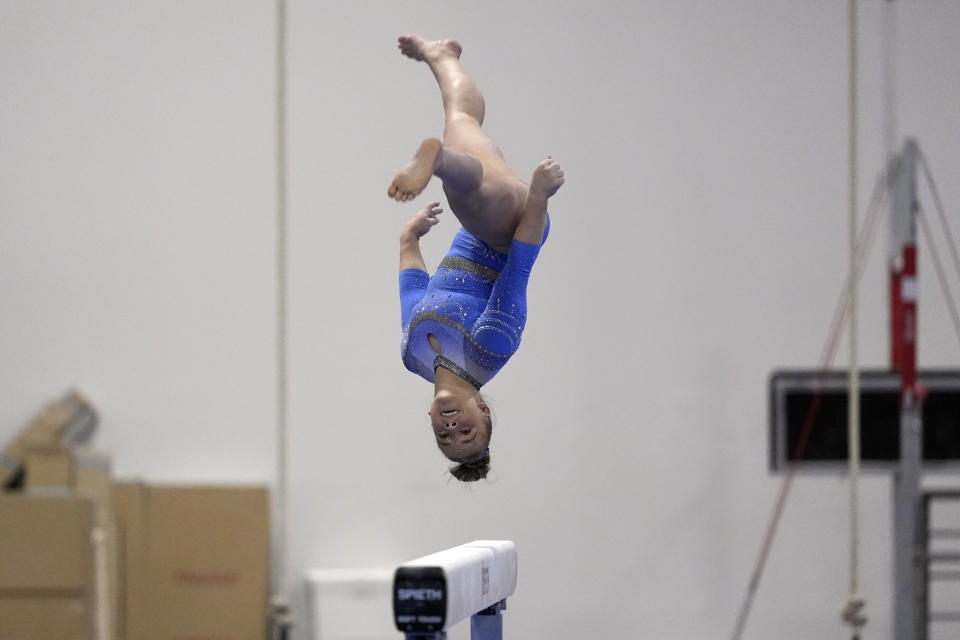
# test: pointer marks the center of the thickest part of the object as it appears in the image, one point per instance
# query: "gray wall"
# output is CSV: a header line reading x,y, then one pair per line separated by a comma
x,y
699,243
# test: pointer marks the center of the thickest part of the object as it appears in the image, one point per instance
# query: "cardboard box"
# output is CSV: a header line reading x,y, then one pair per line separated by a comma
x,y
45,543
46,567
83,469
196,561
84,472
44,617
69,420
48,466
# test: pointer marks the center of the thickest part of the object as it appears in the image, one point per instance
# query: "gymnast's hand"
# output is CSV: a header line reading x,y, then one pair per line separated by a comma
x,y
423,220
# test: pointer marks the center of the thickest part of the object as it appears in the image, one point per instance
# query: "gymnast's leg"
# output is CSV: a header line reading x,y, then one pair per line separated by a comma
x,y
461,99
546,180
483,192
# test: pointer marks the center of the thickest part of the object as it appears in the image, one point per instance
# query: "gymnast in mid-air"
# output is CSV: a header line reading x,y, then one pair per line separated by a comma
x,y
461,325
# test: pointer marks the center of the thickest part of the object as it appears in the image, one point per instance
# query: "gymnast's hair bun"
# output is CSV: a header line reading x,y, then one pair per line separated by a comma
x,y
471,471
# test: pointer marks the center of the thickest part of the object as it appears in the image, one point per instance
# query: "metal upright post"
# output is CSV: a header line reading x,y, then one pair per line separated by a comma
x,y
909,614
488,624
909,618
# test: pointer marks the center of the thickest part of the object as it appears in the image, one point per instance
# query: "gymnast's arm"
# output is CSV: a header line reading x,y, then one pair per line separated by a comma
x,y
499,326
410,256
417,227
413,271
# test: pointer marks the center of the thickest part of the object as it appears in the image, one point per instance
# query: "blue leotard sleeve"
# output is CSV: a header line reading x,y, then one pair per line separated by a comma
x,y
499,326
413,286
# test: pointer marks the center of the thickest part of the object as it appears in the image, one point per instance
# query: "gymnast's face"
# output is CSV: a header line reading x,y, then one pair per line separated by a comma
x,y
459,423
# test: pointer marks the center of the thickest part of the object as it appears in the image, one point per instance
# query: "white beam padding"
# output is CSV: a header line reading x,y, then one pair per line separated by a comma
x,y
437,591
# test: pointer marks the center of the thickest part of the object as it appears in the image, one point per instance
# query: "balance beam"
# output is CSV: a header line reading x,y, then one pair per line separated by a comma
x,y
435,592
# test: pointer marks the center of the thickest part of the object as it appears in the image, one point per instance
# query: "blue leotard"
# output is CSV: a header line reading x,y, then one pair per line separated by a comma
x,y
475,304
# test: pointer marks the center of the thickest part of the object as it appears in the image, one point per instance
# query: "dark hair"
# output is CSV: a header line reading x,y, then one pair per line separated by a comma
x,y
475,469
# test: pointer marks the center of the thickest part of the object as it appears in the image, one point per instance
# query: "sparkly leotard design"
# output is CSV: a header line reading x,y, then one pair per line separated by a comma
x,y
475,304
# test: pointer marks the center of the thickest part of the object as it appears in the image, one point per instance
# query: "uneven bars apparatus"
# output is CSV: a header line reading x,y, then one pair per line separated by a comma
x,y
435,592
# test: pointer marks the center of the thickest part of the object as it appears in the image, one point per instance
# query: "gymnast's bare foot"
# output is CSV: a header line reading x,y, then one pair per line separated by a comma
x,y
412,179
416,47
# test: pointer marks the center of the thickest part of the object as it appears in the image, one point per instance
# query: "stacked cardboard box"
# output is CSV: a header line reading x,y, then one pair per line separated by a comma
x,y
83,557
67,497
46,567
195,561
69,420
58,572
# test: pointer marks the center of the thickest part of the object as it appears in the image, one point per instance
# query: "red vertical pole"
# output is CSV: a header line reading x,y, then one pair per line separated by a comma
x,y
903,317
896,318
908,296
